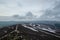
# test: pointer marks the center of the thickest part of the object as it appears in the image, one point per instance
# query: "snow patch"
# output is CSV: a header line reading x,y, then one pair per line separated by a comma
x,y
29,28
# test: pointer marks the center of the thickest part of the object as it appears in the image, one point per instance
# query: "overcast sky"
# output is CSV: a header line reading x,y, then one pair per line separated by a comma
x,y
45,9
11,7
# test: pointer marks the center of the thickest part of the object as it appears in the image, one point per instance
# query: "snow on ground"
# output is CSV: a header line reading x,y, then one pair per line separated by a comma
x,y
36,28
29,28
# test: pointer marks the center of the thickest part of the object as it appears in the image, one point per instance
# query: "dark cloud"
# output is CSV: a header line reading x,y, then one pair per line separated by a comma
x,y
54,13
29,14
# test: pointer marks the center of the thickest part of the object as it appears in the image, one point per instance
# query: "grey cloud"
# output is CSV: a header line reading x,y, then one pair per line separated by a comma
x,y
19,4
52,14
2,2
29,15
50,8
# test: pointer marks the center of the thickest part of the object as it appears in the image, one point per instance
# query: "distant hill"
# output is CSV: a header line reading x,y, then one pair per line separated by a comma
x,y
7,23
